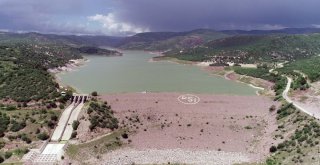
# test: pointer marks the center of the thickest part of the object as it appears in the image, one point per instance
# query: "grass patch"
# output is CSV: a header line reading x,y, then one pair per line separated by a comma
x,y
100,146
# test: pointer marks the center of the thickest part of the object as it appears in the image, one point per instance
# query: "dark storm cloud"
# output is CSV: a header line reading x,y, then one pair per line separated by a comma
x,y
58,16
108,16
221,14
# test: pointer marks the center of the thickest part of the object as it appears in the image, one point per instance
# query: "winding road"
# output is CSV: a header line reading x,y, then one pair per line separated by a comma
x,y
289,100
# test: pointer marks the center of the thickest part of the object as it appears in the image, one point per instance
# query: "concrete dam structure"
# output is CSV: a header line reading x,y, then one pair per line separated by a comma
x,y
64,128
52,150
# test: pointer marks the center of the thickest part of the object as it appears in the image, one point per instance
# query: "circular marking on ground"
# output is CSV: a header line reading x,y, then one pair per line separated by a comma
x,y
189,99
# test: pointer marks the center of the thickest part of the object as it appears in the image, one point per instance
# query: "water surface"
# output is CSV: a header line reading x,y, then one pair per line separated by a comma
x,y
133,72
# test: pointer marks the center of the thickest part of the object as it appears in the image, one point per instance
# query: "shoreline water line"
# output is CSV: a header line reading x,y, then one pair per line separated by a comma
x,y
134,72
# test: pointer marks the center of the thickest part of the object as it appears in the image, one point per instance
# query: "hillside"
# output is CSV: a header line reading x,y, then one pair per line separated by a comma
x,y
279,31
24,63
253,49
91,50
24,75
71,40
162,41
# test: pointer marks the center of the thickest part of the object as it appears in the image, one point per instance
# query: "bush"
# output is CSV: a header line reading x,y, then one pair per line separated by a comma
x,y
61,106
25,138
51,124
20,151
54,117
1,159
7,154
271,162
11,108
75,124
273,149
94,93
272,108
2,144
37,131
43,136
125,135
17,126
74,134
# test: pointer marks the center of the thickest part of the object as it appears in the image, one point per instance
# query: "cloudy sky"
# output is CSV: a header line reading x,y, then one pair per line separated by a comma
x,y
125,17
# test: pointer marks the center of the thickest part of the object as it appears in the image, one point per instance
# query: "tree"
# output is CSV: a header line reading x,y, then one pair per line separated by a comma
x,y
7,154
61,106
51,124
273,149
272,108
94,93
74,134
54,117
1,159
75,124
125,135
43,136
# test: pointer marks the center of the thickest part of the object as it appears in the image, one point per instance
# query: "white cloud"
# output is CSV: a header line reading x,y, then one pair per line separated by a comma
x,y
316,25
113,26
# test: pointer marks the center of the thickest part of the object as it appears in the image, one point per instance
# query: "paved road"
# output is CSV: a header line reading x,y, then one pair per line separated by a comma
x,y
289,100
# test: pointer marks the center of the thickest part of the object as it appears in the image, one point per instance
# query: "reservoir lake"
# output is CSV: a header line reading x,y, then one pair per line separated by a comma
x,y
133,72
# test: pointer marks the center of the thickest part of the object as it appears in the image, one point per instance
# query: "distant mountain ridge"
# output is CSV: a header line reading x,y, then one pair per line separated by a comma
x,y
154,41
279,31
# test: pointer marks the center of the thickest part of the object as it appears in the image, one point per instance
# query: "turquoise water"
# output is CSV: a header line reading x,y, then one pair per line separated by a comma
x,y
133,72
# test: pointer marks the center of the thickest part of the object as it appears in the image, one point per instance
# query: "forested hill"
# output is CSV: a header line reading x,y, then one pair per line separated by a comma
x,y
97,51
162,41
157,41
23,70
25,59
254,49
72,40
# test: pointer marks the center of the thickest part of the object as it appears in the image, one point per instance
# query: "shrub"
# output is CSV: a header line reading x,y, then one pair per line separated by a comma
x,y
51,124
54,117
61,106
25,138
43,111
7,154
272,108
75,124
1,159
17,126
273,149
271,162
20,151
2,144
94,93
248,127
125,135
11,108
37,131
74,134
43,136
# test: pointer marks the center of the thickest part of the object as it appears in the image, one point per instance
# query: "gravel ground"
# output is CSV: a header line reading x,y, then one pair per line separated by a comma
x,y
154,156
